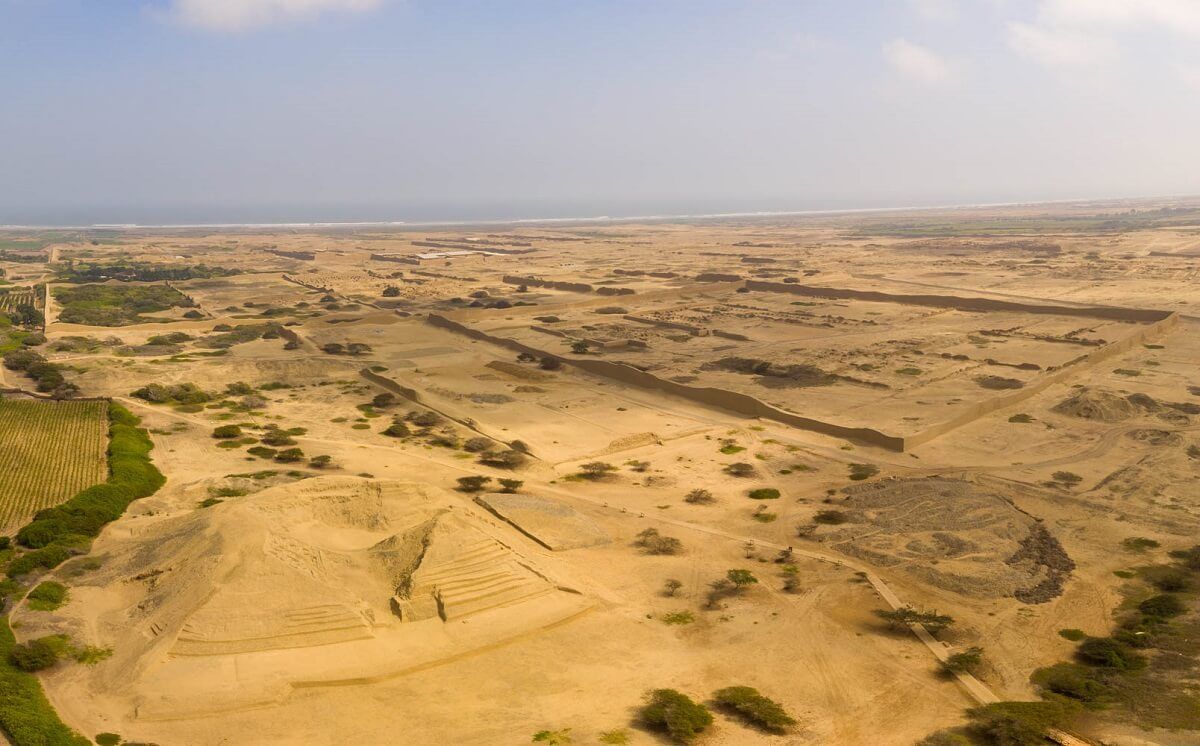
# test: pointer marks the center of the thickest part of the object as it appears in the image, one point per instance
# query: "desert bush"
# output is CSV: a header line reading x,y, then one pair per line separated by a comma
x,y
384,400
671,587
831,517
477,444
225,432
1168,578
764,493
1105,652
652,542
47,596
1068,478
473,483
397,430
261,452
859,472
1162,606
290,455
35,655
944,738
906,615
595,470
580,347
1139,544
699,497
967,661
428,418
1019,723
740,469
1072,680
741,579
510,485
549,363
675,713
754,707
506,459
320,462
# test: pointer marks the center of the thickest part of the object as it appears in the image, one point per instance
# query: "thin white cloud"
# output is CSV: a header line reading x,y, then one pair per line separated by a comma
x,y
1177,16
917,63
243,15
1085,33
935,10
1059,47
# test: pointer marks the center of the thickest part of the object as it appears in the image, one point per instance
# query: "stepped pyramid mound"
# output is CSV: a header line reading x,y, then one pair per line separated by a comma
x,y
326,580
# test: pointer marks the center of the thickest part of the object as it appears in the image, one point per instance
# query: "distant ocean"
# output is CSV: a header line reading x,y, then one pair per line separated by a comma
x,y
229,216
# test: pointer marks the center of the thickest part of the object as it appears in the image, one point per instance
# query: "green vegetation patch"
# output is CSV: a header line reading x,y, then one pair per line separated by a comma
x,y
116,305
47,596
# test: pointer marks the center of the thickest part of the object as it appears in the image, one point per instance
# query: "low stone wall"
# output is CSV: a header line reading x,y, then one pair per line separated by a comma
x,y
1112,313
665,324
749,406
570,287
730,401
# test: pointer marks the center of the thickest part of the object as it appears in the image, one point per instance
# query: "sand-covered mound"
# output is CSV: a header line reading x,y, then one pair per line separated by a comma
x,y
1095,404
958,535
325,580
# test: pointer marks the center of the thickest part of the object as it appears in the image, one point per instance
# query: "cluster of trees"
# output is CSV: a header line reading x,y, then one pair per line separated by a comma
x,y
652,542
175,393
906,615
684,719
734,583
48,377
354,349
478,483
140,272
115,305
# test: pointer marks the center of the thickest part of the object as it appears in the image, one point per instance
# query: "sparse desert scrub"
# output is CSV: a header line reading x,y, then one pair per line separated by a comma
x,y
473,483
700,497
652,542
595,470
755,708
740,469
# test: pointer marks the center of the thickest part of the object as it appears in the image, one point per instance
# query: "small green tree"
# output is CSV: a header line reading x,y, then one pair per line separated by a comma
x,y
397,430
741,579
290,455
675,713
511,485
967,661
754,707
596,470
579,347
226,432
473,484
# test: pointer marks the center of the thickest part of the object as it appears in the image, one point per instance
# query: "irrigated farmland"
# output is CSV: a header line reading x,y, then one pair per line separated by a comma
x,y
51,450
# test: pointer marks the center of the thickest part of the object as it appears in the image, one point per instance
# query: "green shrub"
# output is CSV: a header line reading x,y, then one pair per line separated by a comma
x,y
108,739
1072,634
859,472
25,715
47,596
34,655
676,713
754,707
1106,652
967,661
1162,606
764,493
1019,723
224,432
1072,680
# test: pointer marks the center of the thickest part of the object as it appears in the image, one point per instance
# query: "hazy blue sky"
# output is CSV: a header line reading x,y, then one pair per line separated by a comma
x,y
181,110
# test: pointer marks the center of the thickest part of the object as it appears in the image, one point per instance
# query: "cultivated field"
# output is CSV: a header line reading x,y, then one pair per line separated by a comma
x,y
52,450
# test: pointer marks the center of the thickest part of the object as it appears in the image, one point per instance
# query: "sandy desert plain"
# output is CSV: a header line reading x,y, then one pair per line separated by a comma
x,y
710,454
